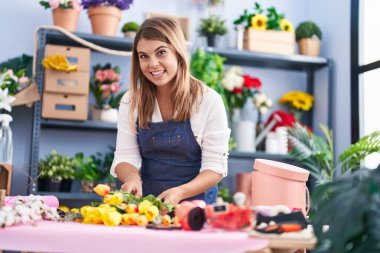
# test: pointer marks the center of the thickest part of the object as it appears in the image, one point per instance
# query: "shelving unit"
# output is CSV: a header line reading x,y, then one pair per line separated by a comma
x,y
48,36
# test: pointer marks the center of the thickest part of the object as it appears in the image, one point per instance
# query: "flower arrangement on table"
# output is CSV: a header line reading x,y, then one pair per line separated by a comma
x,y
121,4
298,102
10,84
121,208
105,84
258,20
61,4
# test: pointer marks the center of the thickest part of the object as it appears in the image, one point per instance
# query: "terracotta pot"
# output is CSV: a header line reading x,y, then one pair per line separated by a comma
x,y
309,46
130,34
67,18
104,19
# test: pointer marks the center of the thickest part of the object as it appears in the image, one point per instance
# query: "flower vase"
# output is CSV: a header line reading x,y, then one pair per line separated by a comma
x,y
67,18
243,131
105,114
104,19
259,128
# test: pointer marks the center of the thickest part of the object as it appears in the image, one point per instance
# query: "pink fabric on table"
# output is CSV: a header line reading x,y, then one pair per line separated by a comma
x,y
51,201
50,236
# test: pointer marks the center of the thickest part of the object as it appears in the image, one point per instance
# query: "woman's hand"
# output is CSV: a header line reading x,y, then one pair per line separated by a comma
x,y
172,196
132,184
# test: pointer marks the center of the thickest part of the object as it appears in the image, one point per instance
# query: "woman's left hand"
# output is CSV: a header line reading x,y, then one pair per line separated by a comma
x,y
172,196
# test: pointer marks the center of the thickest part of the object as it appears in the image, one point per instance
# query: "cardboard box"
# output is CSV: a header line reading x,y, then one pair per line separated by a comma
x,y
67,83
75,55
272,42
184,22
64,106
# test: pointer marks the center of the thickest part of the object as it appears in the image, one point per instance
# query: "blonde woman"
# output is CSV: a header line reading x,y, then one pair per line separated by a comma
x,y
172,138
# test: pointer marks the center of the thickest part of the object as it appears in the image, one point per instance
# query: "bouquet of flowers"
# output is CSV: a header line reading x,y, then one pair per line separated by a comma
x,y
62,4
10,84
298,102
121,208
258,20
121,4
105,84
238,87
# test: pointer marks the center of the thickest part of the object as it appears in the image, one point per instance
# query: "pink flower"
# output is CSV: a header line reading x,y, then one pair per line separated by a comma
x,y
105,87
111,75
53,4
10,72
23,79
115,87
100,75
76,5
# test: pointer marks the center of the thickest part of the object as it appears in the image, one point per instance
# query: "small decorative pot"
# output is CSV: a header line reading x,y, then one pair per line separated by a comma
x,y
107,115
309,46
104,19
130,34
67,18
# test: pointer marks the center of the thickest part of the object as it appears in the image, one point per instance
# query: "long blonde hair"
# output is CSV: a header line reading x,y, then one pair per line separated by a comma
x,y
186,89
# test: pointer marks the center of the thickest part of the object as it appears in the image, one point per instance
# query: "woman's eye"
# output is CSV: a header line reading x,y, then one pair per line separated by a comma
x,y
143,57
161,52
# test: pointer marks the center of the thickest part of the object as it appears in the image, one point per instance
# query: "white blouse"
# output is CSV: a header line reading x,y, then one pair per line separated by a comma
x,y
208,123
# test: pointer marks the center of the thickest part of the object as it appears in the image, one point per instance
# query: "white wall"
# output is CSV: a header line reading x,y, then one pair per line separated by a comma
x,y
19,19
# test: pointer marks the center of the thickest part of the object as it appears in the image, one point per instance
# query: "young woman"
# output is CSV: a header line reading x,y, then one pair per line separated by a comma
x,y
172,138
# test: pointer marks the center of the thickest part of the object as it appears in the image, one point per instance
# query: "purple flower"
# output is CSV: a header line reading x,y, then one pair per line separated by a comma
x,y
121,4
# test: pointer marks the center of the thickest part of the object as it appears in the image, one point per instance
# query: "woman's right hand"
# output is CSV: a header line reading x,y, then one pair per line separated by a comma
x,y
133,185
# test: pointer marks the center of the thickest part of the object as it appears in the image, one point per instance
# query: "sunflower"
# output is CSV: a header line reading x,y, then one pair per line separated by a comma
x,y
298,100
259,22
286,25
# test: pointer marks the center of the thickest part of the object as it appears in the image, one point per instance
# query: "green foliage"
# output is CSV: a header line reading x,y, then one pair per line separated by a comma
x,y
352,211
130,27
316,153
132,199
224,193
212,25
308,29
104,162
209,67
273,22
351,158
18,63
62,4
56,167
86,168
114,100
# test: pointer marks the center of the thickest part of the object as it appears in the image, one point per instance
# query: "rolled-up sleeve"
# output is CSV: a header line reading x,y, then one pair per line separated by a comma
x,y
215,139
127,148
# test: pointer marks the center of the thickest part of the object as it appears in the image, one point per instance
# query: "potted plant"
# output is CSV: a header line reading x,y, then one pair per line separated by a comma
x,y
104,163
105,15
56,173
211,27
105,86
65,13
86,171
308,36
130,29
267,31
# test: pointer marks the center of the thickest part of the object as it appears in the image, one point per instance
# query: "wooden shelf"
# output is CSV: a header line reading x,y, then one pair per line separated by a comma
x,y
261,155
86,125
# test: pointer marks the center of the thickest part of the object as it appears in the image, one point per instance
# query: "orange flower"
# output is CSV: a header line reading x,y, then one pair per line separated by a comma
x,y
102,189
166,220
142,220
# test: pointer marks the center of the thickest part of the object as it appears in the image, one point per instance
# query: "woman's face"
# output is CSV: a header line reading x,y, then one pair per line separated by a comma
x,y
158,61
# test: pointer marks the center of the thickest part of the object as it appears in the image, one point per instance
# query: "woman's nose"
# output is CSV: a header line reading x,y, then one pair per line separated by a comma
x,y
153,62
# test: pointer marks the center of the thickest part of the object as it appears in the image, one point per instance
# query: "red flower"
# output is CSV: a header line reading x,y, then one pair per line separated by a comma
x,y
250,82
287,119
237,90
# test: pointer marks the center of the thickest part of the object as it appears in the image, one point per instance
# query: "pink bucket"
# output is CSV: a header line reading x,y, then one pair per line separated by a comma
x,y
276,183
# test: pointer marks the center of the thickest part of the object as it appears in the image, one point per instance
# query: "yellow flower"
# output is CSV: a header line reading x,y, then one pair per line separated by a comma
x,y
133,217
142,220
298,100
102,189
114,199
74,210
166,220
87,210
286,25
111,218
132,208
151,212
64,208
125,219
144,205
259,22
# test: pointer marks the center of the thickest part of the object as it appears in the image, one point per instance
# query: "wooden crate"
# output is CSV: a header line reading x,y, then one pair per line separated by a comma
x,y
272,42
75,55
183,22
64,106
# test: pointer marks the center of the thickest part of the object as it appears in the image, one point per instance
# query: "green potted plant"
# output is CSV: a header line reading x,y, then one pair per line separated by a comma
x,y
352,211
308,36
130,29
56,173
210,27
104,163
87,171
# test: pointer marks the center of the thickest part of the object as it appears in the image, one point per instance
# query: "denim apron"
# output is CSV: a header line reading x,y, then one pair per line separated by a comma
x,y
171,157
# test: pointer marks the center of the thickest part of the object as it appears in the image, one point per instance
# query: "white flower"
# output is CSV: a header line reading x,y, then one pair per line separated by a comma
x,y
6,100
269,102
232,78
263,109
